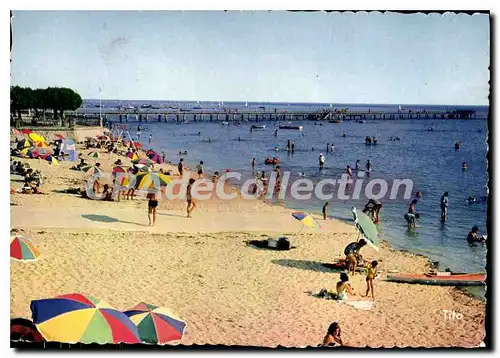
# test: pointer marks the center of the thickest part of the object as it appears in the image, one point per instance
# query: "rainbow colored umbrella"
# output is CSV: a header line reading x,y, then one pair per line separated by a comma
x,y
60,136
26,131
151,180
22,248
305,219
27,152
157,158
42,152
156,325
75,318
119,169
94,155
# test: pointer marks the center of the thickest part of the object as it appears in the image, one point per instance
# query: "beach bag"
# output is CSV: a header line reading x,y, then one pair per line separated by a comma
x,y
283,244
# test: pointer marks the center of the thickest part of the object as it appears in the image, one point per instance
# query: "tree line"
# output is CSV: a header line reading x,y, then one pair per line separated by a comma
x,y
57,99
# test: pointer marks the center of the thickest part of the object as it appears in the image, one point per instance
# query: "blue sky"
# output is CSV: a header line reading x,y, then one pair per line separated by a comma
x,y
256,56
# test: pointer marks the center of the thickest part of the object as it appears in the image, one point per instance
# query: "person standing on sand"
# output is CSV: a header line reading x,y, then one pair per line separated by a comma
x,y
163,156
200,169
180,166
325,211
191,205
370,276
152,205
332,337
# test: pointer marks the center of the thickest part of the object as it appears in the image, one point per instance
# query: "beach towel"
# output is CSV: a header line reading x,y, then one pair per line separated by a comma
x,y
360,305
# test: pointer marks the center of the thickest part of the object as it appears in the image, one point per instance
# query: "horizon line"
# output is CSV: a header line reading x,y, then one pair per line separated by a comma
x,y
293,102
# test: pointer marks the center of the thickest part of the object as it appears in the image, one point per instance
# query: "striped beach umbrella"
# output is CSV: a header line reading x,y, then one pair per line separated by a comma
x,y
75,318
26,131
151,180
156,325
22,248
60,136
52,160
90,169
133,156
144,161
137,145
305,218
94,155
119,169
27,152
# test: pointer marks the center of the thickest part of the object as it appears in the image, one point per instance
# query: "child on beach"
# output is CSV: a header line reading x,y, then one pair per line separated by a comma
x,y
191,205
200,169
325,211
152,205
370,276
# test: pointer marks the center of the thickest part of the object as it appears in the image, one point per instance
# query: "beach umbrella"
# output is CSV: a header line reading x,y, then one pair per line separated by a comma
x,y
94,155
26,131
27,152
25,143
137,145
144,161
133,156
151,180
60,136
142,167
38,140
52,160
75,318
119,169
88,168
156,325
22,248
366,227
305,218
157,158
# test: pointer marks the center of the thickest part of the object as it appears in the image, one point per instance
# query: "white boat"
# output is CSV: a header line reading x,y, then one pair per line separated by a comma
x,y
290,126
225,123
256,126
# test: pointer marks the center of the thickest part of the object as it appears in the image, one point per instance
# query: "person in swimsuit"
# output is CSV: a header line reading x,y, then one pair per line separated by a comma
x,y
332,337
325,211
444,207
344,287
351,252
200,170
370,276
191,205
473,237
152,205
372,209
180,166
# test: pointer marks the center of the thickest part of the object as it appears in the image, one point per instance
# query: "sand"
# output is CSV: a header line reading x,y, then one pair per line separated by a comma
x,y
227,292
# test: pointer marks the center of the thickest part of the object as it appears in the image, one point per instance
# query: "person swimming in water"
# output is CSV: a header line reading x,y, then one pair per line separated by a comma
x,y
473,237
348,171
457,145
464,165
344,135
368,166
412,214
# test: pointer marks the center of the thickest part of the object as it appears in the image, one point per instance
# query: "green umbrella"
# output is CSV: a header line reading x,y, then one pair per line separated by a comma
x,y
366,226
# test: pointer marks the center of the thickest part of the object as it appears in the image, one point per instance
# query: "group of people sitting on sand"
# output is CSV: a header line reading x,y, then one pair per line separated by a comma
x,y
32,178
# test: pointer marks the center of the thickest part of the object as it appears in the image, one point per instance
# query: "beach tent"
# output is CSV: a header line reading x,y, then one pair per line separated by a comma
x,y
68,147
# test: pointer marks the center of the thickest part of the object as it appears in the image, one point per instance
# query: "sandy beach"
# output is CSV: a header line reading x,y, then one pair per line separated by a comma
x,y
201,268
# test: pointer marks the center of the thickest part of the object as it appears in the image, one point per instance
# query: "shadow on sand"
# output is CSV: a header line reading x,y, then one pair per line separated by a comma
x,y
308,265
107,219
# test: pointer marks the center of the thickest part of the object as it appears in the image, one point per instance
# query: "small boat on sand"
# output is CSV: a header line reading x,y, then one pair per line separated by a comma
x,y
440,279
289,126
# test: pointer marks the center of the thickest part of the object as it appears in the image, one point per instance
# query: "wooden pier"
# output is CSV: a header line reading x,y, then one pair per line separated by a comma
x,y
122,116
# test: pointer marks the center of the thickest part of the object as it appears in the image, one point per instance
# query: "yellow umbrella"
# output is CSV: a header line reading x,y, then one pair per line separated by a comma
x,y
305,219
